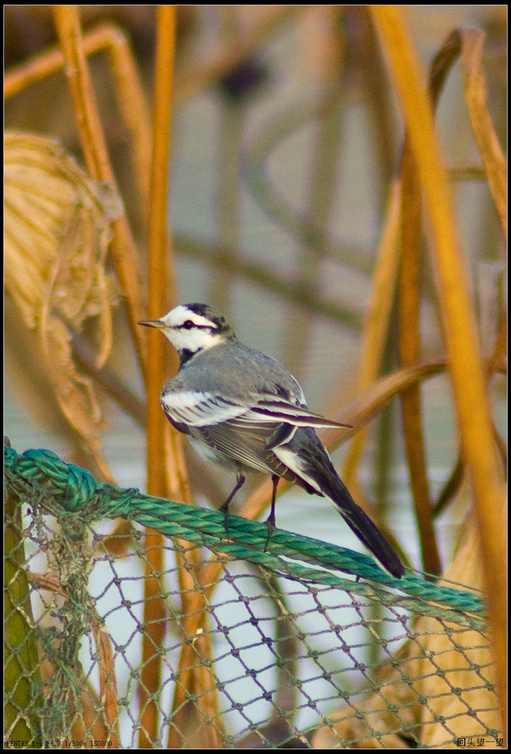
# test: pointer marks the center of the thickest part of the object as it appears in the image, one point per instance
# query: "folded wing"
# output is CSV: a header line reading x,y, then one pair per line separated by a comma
x,y
203,409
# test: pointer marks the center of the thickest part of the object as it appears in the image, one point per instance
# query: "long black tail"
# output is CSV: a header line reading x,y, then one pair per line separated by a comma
x,y
319,472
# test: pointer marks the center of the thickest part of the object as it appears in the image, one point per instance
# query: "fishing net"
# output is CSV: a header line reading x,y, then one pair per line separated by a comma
x,y
301,644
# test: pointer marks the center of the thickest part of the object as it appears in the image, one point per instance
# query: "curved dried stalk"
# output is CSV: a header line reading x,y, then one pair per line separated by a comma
x,y
110,38
123,249
472,41
376,326
459,323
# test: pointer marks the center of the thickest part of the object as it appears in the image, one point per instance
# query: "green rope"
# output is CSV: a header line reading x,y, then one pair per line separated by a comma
x,y
74,490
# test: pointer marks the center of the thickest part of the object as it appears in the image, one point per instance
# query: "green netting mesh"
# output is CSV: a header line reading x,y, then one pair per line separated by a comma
x,y
228,646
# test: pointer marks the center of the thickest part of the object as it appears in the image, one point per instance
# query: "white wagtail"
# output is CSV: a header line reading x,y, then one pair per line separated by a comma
x,y
242,410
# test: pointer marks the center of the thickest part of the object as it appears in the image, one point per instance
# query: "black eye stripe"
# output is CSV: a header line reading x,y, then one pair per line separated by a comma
x,y
190,325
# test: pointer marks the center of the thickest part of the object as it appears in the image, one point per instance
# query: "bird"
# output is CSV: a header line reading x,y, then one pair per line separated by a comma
x,y
243,410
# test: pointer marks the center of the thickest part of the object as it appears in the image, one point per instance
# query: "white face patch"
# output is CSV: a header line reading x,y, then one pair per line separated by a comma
x,y
196,338
182,314
191,340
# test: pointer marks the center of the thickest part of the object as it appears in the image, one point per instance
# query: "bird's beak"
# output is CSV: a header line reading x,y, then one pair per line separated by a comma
x,y
152,323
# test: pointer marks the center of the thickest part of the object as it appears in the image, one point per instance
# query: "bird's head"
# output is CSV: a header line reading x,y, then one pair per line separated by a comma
x,y
192,328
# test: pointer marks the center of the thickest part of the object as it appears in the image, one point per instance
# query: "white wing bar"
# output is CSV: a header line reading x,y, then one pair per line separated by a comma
x,y
202,409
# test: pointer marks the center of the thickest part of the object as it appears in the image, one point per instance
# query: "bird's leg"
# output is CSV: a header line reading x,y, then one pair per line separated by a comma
x,y
270,521
240,481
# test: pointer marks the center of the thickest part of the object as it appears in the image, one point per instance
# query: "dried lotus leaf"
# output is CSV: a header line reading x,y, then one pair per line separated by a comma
x,y
57,229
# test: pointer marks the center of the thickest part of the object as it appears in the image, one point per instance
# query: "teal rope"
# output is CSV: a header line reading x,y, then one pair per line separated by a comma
x,y
75,490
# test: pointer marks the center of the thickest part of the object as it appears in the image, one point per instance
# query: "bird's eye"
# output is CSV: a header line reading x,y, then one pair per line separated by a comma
x,y
188,324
